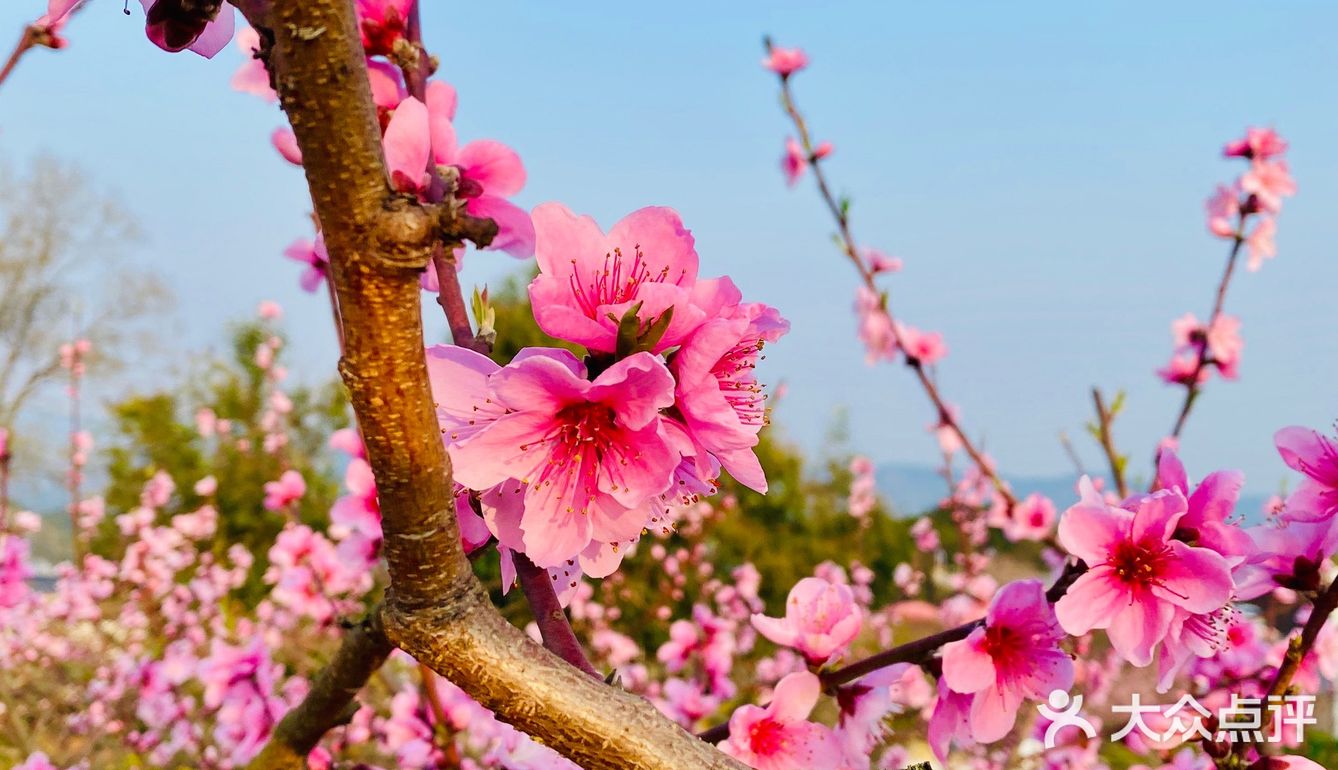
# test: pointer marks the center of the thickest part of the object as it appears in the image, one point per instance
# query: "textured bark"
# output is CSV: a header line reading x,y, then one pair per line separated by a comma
x,y
379,242
330,701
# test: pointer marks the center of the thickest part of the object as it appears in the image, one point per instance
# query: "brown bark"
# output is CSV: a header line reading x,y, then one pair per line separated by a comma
x,y
330,701
379,242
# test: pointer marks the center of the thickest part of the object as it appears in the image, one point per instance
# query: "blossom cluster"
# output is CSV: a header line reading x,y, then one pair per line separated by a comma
x,y
573,459
1244,213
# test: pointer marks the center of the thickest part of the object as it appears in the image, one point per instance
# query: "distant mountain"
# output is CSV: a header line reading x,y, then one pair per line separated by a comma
x,y
913,489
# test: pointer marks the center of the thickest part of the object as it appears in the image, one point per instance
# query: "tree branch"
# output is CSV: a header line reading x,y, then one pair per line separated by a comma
x,y
26,42
850,248
378,243
1105,419
331,699
1193,388
918,652
549,615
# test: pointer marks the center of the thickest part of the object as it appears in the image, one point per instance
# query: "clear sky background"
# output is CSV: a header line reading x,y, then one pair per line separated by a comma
x,y
1041,169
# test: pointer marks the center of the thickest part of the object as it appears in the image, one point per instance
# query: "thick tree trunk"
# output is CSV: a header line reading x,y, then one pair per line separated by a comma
x,y
379,242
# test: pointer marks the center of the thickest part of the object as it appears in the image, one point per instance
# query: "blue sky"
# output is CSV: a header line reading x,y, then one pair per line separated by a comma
x,y
1041,171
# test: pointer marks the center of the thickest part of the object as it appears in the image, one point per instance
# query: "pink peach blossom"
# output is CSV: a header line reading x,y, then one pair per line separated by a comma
x,y
1033,519
175,26
1138,575
926,347
1257,144
486,172
315,257
288,489
588,280
587,454
716,391
1014,656
875,327
785,61
1316,456
1223,208
793,161
1269,182
1260,244
821,618
778,736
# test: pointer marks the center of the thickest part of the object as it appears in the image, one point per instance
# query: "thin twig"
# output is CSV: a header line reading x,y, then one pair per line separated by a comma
x,y
450,751
549,615
918,652
330,701
1193,388
1297,650
1105,419
850,248
27,41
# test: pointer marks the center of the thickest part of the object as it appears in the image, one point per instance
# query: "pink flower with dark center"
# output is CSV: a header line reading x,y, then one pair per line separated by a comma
x,y
879,262
203,26
778,736
821,618
589,280
586,455
1032,519
1269,182
1290,554
485,172
1138,576
796,160
785,61
1315,455
717,393
1210,508
926,347
1257,144
1014,656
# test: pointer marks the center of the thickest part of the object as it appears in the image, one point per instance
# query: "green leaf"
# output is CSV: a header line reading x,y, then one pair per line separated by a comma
x,y
629,331
651,337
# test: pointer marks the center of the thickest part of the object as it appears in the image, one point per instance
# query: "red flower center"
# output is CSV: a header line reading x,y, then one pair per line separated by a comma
x,y
1136,563
766,737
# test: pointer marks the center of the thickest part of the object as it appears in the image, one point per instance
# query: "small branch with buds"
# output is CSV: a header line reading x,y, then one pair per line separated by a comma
x,y
851,249
919,652
1300,646
1105,419
1193,386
